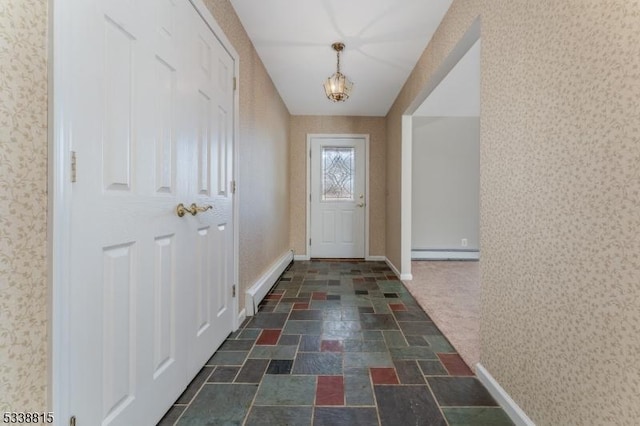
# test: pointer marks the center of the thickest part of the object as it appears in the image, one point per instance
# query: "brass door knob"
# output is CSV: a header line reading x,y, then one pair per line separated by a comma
x,y
360,205
181,210
193,209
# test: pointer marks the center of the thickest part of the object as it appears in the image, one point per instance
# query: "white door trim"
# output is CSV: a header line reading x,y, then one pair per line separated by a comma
x,y
59,185
59,197
311,136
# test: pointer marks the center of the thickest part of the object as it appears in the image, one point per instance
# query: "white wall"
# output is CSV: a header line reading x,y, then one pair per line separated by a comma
x,y
446,172
458,94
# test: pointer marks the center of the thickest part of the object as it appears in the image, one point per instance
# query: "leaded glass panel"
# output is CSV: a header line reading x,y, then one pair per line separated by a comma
x,y
338,173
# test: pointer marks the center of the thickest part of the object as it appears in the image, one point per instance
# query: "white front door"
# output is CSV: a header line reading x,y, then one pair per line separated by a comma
x,y
149,116
337,197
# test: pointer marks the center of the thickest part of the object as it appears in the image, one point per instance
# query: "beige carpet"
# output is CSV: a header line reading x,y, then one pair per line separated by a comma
x,y
449,292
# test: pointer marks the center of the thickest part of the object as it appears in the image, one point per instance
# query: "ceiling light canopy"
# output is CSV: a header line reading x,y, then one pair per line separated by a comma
x,y
338,86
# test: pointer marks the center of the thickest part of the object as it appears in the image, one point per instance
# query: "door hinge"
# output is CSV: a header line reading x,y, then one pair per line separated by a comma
x,y
309,197
235,83
74,166
309,241
72,421
309,153
233,186
233,291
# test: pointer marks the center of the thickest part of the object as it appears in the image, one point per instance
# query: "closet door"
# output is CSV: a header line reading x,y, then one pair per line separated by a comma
x,y
150,122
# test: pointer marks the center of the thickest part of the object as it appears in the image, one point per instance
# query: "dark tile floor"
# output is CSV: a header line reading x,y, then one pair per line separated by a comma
x,y
337,343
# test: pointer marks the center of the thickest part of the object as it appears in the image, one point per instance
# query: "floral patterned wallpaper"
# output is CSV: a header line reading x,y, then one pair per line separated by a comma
x,y
23,205
560,200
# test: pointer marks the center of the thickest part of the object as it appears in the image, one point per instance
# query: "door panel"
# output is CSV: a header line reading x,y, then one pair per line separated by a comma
x,y
149,292
328,226
166,17
163,122
204,142
119,311
222,151
164,344
117,119
203,281
338,190
348,230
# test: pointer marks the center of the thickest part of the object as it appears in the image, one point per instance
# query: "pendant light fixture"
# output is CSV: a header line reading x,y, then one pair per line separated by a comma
x,y
338,86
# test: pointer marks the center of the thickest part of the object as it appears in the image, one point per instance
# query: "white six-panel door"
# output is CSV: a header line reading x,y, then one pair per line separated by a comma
x,y
211,119
337,197
150,115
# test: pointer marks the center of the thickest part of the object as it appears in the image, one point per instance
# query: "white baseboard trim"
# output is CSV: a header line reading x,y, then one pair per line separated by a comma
x,y
444,255
368,258
261,287
241,317
501,396
392,266
375,258
402,277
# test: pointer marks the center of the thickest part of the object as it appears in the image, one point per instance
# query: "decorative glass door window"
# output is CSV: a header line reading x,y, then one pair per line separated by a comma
x,y
338,172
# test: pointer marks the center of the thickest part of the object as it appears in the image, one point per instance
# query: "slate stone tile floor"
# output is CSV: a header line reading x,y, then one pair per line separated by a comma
x,y
336,343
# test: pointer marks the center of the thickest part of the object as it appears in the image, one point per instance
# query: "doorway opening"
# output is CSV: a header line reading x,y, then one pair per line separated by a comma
x,y
440,196
446,166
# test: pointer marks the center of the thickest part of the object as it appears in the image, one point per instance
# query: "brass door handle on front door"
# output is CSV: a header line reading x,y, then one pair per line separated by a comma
x,y
360,205
193,210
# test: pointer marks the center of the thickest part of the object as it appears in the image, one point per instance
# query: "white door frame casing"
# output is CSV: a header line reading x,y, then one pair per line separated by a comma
x,y
59,197
310,137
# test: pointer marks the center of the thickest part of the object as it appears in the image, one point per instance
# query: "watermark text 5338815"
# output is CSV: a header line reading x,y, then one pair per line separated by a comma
x,y
26,417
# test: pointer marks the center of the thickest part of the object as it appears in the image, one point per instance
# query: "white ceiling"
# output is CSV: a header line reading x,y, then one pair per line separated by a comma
x,y
383,38
458,94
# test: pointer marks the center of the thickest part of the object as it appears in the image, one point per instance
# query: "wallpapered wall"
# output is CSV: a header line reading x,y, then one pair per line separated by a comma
x,y
23,205
263,181
560,201
301,125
